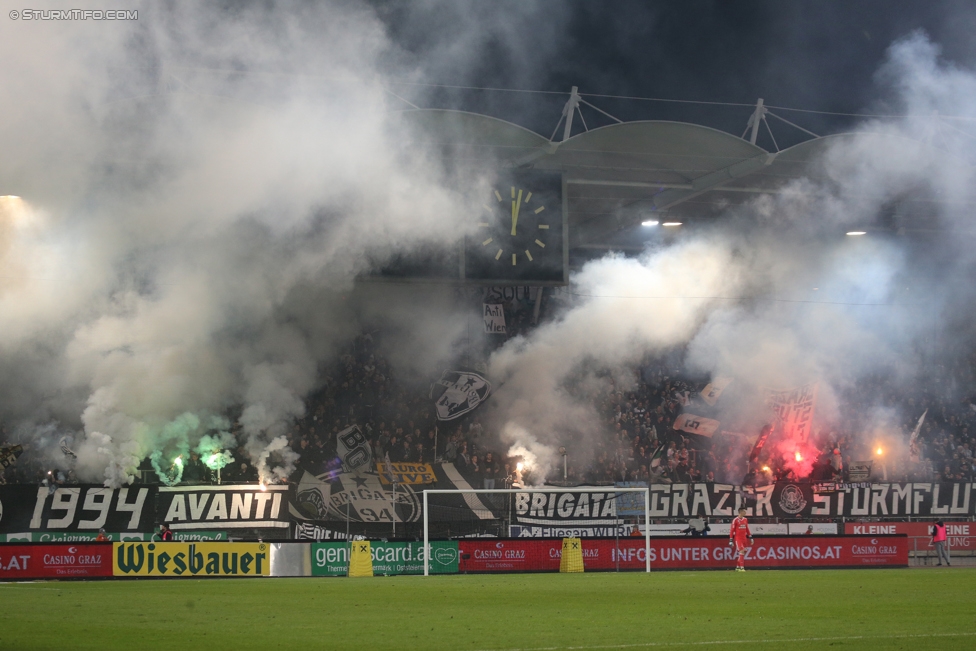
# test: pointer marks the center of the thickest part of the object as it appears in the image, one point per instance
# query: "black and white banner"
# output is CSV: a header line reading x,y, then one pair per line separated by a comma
x,y
560,508
367,497
787,500
223,507
76,508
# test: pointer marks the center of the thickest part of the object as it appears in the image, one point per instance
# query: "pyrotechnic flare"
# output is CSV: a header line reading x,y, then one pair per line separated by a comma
x,y
169,474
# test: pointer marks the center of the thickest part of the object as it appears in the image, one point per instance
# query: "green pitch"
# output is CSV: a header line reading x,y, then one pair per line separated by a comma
x,y
795,610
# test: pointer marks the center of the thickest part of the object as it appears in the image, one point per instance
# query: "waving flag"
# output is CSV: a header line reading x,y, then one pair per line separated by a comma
x,y
457,393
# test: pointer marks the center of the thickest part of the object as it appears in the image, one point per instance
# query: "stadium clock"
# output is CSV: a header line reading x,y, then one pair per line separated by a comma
x,y
515,228
517,234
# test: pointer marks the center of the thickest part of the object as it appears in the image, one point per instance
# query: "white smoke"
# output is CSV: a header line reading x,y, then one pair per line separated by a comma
x,y
188,180
775,295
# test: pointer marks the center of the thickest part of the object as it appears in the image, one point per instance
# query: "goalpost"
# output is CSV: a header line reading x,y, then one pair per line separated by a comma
x,y
473,503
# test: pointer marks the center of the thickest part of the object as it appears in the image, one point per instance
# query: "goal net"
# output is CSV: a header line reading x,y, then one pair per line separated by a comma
x,y
522,529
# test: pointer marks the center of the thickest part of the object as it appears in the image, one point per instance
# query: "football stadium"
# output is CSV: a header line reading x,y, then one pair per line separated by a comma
x,y
488,326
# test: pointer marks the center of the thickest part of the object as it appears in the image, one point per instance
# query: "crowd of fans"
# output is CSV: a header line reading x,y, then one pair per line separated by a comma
x,y
639,444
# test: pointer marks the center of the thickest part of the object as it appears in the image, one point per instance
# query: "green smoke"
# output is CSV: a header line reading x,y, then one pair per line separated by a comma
x,y
173,445
213,452
169,473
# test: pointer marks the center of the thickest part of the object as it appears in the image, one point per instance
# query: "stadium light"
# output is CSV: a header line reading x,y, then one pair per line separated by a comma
x,y
857,232
671,224
650,222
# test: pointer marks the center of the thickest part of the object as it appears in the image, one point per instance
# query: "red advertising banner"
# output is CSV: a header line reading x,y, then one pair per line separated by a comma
x,y
517,555
55,561
961,535
534,555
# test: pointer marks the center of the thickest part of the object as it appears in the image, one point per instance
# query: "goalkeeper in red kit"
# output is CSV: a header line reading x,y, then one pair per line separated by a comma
x,y
741,537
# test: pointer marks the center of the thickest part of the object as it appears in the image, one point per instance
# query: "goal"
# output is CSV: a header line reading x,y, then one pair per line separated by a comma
x,y
521,529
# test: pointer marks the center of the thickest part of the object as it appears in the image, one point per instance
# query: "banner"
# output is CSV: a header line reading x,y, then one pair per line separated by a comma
x,y
69,537
55,561
560,508
713,390
199,536
804,500
223,507
494,319
457,393
76,508
329,499
794,407
961,535
190,559
332,559
858,471
310,531
686,553
406,473
577,531
696,425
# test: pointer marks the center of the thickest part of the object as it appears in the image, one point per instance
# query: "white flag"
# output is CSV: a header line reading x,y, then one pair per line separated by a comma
x,y
714,389
696,425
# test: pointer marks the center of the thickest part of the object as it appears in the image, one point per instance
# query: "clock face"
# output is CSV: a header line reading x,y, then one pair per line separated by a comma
x,y
515,228
518,231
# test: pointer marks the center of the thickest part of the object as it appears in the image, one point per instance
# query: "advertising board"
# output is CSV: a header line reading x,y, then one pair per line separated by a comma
x,y
332,559
176,559
55,561
961,535
532,555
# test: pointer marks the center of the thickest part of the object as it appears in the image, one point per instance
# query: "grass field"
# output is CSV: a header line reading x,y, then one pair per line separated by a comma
x,y
812,609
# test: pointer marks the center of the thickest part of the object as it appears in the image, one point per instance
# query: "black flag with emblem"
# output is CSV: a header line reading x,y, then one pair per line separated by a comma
x,y
458,392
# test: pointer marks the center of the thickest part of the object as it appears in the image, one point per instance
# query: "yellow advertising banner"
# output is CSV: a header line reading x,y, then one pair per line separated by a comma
x,y
406,473
190,559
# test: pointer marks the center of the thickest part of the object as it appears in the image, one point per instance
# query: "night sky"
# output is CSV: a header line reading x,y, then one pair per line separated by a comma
x,y
819,55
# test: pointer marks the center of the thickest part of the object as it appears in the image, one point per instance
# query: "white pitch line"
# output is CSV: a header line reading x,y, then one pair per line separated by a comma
x,y
28,587
638,645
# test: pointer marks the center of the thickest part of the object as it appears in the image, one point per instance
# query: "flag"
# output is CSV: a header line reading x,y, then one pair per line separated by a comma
x,y
68,452
353,449
457,393
913,451
657,456
794,407
696,425
9,454
713,390
760,442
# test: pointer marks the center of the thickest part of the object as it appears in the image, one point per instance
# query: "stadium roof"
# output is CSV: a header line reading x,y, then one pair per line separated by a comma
x,y
621,174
